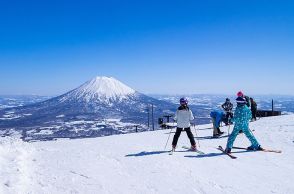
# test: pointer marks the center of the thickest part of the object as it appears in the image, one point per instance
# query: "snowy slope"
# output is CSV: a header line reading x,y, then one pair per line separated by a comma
x,y
137,163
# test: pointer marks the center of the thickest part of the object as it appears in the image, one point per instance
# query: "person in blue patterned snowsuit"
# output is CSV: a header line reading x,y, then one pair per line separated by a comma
x,y
241,119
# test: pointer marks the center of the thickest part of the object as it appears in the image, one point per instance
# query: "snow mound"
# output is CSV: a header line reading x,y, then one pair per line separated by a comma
x,y
16,161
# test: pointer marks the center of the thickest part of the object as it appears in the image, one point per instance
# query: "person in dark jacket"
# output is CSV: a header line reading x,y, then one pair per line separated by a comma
x,y
253,109
228,108
183,117
217,117
248,104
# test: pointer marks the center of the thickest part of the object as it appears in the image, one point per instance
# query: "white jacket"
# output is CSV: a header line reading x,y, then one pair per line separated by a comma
x,y
183,118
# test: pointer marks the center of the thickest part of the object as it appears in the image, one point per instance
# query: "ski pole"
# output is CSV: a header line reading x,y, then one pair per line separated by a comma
x,y
251,131
168,138
196,135
229,129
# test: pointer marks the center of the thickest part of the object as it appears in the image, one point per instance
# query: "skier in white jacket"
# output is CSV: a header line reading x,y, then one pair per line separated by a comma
x,y
183,118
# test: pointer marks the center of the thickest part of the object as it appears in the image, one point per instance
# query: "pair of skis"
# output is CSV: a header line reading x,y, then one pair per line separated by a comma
x,y
222,150
188,149
234,157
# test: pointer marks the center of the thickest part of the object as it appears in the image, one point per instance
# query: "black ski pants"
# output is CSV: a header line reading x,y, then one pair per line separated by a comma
x,y
253,111
229,116
189,134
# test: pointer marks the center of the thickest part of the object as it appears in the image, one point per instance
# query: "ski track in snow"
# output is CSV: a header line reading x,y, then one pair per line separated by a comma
x,y
138,163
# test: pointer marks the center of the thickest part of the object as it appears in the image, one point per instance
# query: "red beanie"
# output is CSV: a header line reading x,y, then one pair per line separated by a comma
x,y
240,94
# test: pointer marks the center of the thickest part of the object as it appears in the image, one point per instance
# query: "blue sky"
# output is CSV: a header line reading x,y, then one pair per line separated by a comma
x,y
167,47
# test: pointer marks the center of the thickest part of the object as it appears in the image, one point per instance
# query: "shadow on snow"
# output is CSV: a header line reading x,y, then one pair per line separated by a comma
x,y
144,153
208,155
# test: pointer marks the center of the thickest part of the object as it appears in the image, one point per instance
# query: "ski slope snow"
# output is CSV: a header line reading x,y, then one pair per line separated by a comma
x,y
138,163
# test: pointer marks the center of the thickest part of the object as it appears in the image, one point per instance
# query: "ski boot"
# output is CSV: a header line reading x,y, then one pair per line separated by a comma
x,y
228,150
193,148
254,148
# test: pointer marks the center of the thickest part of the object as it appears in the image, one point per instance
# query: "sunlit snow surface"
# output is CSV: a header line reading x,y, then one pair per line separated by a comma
x,y
138,163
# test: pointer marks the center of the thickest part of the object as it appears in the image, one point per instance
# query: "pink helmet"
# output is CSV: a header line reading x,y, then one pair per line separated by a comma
x,y
240,94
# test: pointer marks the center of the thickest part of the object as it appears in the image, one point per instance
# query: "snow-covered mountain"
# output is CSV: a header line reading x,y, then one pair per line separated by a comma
x,y
100,89
138,163
96,100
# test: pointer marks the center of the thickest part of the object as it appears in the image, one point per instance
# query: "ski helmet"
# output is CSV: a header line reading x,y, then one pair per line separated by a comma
x,y
183,101
227,99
